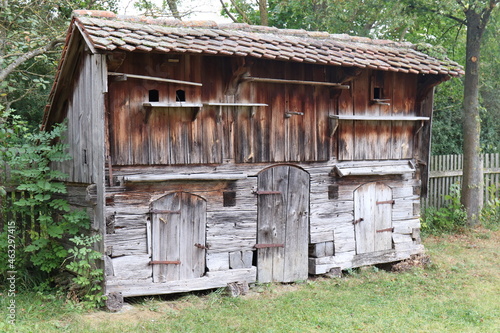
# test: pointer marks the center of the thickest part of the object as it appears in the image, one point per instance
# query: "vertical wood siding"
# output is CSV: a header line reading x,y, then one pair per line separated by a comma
x,y
237,133
374,139
86,137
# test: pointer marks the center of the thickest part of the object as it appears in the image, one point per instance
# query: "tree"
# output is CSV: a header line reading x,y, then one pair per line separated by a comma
x,y
477,15
247,12
166,8
474,15
31,33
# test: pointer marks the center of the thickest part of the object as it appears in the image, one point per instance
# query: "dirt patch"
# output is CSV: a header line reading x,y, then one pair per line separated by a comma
x,y
416,260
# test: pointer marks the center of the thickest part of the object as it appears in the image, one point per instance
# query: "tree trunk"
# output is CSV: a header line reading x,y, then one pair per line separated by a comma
x,y
172,5
264,16
472,182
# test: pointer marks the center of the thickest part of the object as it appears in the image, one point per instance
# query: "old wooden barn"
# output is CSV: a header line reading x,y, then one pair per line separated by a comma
x,y
211,154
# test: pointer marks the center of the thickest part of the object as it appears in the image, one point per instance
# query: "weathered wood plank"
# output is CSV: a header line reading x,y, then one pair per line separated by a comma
x,y
127,242
296,239
217,261
134,267
240,259
346,128
229,232
351,260
218,279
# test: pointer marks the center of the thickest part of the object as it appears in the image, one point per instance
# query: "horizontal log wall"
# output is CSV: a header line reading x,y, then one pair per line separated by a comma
x,y
231,231
333,242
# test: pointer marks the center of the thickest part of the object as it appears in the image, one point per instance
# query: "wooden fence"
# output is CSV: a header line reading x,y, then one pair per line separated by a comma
x,y
446,170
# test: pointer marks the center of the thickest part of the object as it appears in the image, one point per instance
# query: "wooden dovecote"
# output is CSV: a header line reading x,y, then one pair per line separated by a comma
x,y
224,154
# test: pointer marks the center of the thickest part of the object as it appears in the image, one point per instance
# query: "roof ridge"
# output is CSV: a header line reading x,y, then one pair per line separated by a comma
x,y
210,24
108,31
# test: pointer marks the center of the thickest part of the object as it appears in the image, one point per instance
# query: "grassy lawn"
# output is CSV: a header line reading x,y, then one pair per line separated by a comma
x,y
458,292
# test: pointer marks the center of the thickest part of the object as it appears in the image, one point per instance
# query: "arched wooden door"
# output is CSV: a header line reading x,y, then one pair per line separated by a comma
x,y
373,217
283,224
178,237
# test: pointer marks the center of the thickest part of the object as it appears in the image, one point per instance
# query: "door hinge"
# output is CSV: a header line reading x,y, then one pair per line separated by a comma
x,y
386,229
164,262
358,220
264,246
201,246
159,211
266,192
385,202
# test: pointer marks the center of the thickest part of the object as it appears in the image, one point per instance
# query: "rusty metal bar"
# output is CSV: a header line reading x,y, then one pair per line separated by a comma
x,y
158,211
358,220
201,246
266,192
165,262
385,202
263,246
386,229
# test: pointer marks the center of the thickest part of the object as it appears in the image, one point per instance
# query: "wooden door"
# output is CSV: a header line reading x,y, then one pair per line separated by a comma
x,y
283,228
178,237
373,217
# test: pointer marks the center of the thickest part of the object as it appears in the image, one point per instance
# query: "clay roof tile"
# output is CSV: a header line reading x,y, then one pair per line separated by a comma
x,y
108,31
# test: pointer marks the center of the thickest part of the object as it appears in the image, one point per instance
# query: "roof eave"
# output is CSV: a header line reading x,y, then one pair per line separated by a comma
x,y
64,64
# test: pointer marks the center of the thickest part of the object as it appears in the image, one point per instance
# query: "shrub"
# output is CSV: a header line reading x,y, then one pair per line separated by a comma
x,y
35,222
449,219
490,215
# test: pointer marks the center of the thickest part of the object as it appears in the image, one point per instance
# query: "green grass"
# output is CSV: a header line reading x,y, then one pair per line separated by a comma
x,y
459,292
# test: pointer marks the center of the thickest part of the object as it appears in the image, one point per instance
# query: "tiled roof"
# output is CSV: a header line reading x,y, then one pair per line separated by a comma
x,y
108,32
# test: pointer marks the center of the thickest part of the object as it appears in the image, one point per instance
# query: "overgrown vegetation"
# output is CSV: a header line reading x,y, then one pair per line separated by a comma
x,y
34,218
452,218
448,219
490,217
458,292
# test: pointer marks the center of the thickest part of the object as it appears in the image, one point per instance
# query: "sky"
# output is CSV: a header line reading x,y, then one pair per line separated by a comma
x,y
202,9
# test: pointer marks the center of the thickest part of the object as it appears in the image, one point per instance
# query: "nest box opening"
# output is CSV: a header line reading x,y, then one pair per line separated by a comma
x,y
154,95
180,96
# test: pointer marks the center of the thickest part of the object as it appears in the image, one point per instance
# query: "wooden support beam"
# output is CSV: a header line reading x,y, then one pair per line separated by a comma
x,y
193,177
165,262
153,78
265,246
235,104
378,118
334,124
313,83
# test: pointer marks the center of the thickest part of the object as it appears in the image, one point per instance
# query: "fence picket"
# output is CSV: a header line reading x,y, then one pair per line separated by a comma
x,y
446,170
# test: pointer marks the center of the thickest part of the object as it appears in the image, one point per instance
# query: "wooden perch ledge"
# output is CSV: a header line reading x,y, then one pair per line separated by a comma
x,y
313,83
123,77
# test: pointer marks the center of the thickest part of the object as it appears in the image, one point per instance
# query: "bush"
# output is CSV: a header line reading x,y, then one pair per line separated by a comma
x,y
490,215
36,223
449,219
